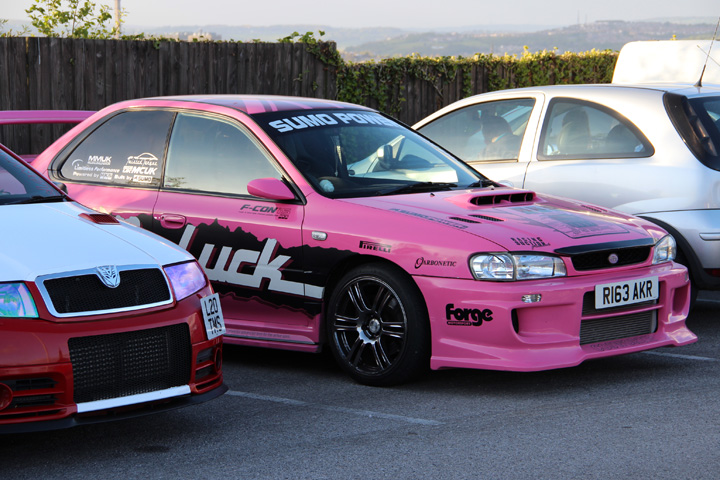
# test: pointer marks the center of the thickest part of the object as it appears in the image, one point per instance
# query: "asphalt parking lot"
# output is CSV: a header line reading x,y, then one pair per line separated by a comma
x,y
297,416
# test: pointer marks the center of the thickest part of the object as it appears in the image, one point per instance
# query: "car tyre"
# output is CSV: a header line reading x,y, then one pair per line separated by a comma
x,y
377,326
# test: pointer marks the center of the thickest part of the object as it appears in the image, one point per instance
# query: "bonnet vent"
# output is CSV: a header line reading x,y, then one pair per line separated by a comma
x,y
595,208
485,217
504,198
100,218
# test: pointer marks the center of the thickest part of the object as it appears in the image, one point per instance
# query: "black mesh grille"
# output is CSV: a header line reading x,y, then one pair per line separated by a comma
x,y
614,328
24,384
598,260
121,364
86,293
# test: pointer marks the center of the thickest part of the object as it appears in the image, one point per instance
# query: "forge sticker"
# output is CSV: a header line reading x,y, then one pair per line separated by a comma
x,y
467,317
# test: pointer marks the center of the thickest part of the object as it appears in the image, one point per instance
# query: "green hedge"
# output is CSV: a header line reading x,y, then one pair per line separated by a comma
x,y
382,81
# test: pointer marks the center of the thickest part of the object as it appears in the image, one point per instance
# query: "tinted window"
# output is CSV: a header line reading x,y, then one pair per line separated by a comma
x,y
583,130
20,184
345,153
126,150
488,131
210,154
697,120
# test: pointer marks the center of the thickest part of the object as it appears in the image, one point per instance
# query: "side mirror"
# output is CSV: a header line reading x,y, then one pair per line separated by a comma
x,y
270,189
61,186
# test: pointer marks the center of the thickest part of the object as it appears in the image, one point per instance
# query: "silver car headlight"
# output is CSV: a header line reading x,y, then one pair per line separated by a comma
x,y
665,250
16,301
509,267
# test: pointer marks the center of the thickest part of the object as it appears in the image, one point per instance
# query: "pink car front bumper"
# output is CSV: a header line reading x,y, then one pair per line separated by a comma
x,y
487,325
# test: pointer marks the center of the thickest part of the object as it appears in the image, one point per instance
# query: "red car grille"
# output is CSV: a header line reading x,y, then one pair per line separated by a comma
x,y
87,294
122,364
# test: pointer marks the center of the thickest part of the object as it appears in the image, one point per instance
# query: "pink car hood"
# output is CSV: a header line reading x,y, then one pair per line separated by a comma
x,y
518,219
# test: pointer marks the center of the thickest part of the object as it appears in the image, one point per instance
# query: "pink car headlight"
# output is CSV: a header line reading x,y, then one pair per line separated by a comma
x,y
665,250
185,279
509,266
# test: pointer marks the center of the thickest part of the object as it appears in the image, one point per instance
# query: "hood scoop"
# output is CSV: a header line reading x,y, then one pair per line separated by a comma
x,y
503,199
100,218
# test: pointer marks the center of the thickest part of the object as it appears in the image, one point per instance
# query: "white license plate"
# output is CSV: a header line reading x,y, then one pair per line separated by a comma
x,y
213,316
626,293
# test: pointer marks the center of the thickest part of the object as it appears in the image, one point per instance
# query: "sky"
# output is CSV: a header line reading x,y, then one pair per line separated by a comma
x,y
407,14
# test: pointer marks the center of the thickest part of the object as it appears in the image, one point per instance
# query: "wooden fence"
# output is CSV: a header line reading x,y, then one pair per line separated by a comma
x,y
75,74
38,73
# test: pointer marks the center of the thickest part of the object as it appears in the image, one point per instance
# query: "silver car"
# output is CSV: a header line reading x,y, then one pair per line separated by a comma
x,y
646,150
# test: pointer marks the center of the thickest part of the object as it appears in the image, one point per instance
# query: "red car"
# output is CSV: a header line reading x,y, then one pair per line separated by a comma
x,y
99,320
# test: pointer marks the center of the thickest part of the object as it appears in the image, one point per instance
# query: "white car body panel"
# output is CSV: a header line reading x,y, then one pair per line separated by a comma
x,y
680,61
56,239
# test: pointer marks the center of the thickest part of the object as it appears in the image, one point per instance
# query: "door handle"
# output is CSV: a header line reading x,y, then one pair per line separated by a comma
x,y
172,220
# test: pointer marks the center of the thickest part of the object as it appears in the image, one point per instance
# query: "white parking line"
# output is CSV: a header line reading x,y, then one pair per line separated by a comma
x,y
352,411
686,357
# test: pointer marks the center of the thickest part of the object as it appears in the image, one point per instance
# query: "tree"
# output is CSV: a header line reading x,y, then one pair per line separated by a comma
x,y
10,33
72,18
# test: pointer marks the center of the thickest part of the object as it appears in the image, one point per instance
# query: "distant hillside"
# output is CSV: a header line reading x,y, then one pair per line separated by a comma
x,y
374,43
577,38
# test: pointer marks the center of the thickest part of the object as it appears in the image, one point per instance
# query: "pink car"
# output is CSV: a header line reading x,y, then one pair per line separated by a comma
x,y
328,224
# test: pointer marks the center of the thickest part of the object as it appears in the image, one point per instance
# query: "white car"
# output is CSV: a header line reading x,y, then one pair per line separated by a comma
x,y
647,149
99,320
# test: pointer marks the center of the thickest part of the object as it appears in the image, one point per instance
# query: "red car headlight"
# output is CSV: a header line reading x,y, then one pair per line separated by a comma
x,y
185,279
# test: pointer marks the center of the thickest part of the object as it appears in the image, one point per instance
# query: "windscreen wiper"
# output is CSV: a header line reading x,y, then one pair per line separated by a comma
x,y
39,199
418,187
485,182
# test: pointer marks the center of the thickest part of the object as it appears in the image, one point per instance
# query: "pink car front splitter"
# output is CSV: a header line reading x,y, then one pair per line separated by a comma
x,y
544,325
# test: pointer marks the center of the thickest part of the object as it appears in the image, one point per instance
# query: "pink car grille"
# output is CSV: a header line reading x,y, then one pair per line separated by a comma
x,y
615,323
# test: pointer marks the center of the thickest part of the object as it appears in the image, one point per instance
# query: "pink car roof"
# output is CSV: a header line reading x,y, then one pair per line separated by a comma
x,y
17,117
254,104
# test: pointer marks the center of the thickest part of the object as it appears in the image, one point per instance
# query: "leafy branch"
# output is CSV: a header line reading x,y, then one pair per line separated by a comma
x,y
72,19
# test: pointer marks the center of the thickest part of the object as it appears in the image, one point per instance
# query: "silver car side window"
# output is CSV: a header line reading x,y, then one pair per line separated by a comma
x,y
485,132
582,130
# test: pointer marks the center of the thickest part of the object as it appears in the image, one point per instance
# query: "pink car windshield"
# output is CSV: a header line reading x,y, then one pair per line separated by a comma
x,y
360,154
